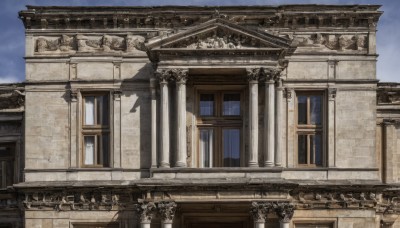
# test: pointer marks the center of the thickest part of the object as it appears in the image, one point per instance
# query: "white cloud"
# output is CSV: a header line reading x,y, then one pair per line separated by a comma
x,y
8,79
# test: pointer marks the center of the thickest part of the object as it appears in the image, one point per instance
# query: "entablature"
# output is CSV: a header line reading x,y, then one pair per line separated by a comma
x,y
286,16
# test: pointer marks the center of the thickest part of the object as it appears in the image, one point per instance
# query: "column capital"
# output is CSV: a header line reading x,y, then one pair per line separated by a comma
x,y
167,211
180,75
145,211
271,74
259,211
284,211
253,74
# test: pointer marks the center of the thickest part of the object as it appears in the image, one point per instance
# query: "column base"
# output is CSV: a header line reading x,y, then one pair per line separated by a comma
x,y
165,165
268,164
253,165
180,164
278,164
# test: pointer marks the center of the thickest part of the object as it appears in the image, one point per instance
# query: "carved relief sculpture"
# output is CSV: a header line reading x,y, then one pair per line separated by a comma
x,y
90,44
335,42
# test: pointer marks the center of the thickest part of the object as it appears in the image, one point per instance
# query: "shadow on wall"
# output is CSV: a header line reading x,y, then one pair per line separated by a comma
x,y
136,99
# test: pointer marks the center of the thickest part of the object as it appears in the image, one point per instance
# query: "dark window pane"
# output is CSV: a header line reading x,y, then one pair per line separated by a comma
x,y
105,150
315,109
9,172
231,147
206,147
102,110
206,104
317,149
302,109
302,149
231,105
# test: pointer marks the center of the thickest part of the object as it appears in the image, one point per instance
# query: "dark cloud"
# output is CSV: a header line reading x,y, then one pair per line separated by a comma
x,y
12,48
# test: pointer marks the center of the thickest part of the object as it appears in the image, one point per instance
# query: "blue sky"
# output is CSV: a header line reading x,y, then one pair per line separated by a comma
x,y
12,46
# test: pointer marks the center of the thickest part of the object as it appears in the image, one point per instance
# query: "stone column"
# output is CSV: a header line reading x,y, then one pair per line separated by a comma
x,y
278,125
285,212
390,149
167,212
145,211
269,112
253,76
153,123
181,78
164,75
259,212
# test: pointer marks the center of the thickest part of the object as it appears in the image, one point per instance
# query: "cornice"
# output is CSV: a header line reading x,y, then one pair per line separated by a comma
x,y
287,16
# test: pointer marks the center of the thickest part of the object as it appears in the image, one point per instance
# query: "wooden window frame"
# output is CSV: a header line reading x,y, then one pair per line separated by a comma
x,y
96,130
218,122
309,129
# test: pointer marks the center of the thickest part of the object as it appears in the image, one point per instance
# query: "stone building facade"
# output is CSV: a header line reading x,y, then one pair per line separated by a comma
x,y
201,117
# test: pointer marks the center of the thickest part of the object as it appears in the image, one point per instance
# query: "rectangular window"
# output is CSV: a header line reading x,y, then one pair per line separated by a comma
x,y
219,125
309,129
7,161
96,131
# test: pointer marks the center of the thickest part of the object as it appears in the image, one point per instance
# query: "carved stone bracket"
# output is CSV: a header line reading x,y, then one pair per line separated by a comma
x,y
287,93
117,94
145,211
259,211
332,93
167,211
73,94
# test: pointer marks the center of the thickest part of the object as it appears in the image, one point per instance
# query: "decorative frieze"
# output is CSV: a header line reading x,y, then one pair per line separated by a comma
x,y
89,44
328,42
62,201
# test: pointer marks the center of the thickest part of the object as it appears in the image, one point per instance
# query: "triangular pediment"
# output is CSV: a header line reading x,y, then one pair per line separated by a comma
x,y
217,35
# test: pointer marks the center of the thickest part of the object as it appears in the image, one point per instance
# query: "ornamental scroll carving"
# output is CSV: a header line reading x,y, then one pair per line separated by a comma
x,y
90,44
337,42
